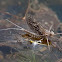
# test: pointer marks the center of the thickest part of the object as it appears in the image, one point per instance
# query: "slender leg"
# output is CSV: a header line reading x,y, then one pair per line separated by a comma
x,y
58,33
19,28
48,44
51,27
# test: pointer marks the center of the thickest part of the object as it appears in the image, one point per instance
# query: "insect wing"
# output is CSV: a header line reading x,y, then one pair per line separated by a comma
x,y
34,25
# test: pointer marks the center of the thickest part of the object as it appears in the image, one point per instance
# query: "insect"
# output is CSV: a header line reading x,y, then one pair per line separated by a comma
x,y
40,35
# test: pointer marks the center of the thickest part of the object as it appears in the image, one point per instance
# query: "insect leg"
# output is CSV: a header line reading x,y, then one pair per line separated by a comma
x,y
51,27
58,33
48,44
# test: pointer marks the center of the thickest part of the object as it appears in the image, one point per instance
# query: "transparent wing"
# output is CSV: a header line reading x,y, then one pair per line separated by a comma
x,y
34,25
45,18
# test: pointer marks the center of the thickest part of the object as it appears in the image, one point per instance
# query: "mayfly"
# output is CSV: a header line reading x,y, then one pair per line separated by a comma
x,y
40,35
43,33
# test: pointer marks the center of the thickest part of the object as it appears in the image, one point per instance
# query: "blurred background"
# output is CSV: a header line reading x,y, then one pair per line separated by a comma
x,y
43,11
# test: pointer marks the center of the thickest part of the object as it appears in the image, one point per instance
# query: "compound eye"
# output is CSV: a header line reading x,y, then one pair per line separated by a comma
x,y
39,41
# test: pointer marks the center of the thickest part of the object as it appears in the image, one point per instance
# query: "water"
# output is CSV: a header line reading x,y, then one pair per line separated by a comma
x,y
26,53
55,5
